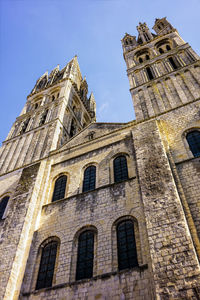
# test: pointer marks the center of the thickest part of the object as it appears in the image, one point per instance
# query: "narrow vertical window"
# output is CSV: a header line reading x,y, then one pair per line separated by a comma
x,y
149,73
72,129
43,118
126,246
3,205
25,125
161,50
59,188
168,48
193,139
140,59
190,56
173,63
120,168
146,36
47,265
85,257
89,180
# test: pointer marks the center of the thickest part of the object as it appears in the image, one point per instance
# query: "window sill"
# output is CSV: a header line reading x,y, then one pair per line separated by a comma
x,y
104,276
188,159
92,191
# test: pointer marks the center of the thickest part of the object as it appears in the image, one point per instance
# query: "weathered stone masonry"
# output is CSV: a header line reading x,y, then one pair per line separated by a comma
x,y
57,135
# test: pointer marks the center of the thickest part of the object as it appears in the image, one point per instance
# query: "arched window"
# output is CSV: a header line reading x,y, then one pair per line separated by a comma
x,y
73,128
147,57
173,63
140,59
89,180
3,205
149,73
47,265
126,246
25,125
59,188
120,168
168,48
146,36
193,139
160,50
85,256
43,118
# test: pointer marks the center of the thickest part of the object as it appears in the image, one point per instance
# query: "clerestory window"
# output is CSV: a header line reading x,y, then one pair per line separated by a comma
x,y
89,180
120,168
59,188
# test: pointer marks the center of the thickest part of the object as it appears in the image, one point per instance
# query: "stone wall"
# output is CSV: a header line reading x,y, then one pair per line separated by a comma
x,y
99,209
189,173
18,227
132,284
175,266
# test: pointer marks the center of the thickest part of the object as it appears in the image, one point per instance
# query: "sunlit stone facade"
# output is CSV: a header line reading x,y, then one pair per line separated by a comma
x,y
106,210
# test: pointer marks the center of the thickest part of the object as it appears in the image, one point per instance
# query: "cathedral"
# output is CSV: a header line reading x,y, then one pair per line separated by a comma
x,y
106,211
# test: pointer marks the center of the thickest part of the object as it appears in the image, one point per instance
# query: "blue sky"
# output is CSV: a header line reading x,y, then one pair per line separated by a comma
x,y
36,35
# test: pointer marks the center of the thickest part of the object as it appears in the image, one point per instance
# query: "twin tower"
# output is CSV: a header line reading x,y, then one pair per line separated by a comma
x,y
94,210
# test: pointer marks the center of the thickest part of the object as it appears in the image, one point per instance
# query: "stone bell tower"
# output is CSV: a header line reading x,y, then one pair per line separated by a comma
x,y
56,109
162,69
